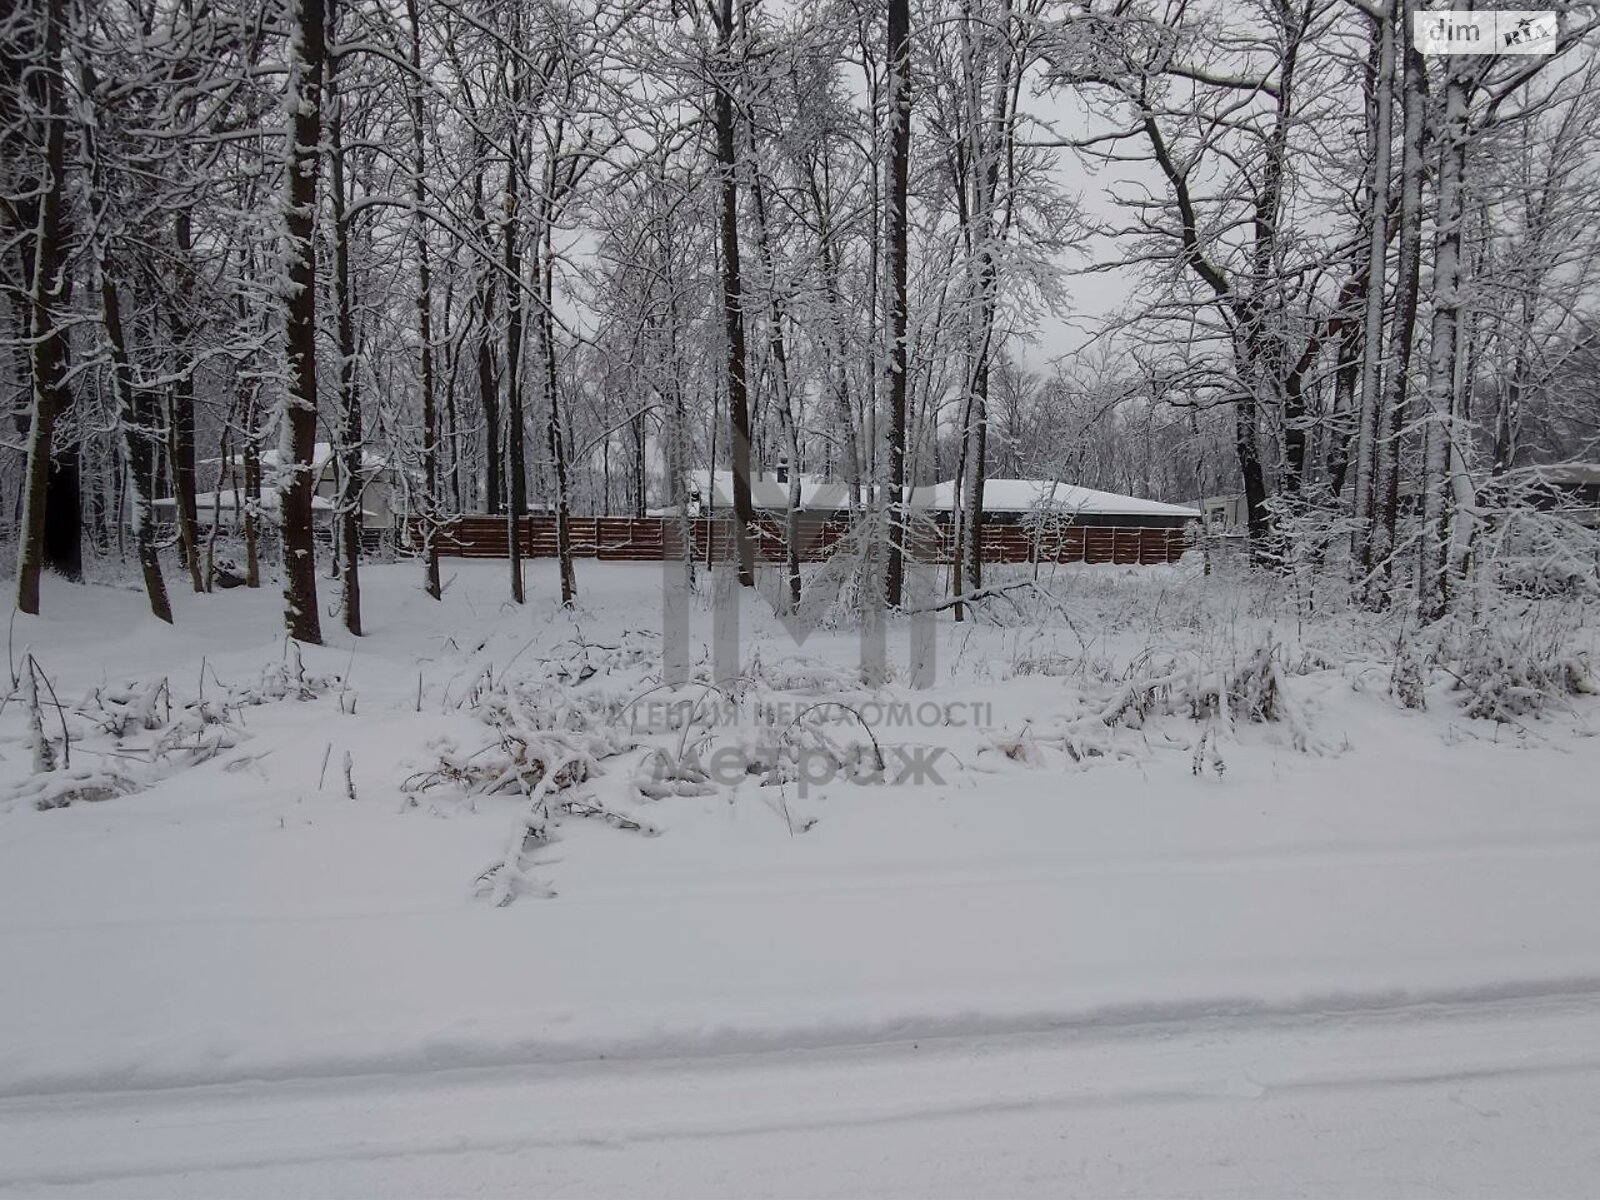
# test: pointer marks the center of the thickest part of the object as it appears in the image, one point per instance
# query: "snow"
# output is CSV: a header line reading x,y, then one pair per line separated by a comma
x,y
828,495
1310,972
267,500
1490,1100
1573,474
1026,495
999,495
321,457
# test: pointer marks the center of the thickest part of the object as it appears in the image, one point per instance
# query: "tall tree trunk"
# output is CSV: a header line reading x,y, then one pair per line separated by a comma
x,y
973,460
298,434
517,500
48,353
990,141
452,418
1348,348
135,419
249,416
1432,578
138,436
419,198
639,468
1254,369
1247,448
838,368
778,350
181,417
249,480
733,298
1368,425
347,508
960,532
63,518
554,427
488,385
1396,400
899,51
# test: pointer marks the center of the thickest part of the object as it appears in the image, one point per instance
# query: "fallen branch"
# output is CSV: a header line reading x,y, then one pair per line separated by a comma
x,y
529,823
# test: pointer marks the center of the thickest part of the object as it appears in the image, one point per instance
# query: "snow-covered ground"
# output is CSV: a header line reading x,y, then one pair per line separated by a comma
x,y
1477,1100
1350,949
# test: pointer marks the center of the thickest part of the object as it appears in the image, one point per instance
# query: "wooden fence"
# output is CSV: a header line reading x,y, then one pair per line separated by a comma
x,y
649,539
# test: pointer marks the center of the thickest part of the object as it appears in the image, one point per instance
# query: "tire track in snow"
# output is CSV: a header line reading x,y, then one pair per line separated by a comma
x,y
1220,1014
809,1096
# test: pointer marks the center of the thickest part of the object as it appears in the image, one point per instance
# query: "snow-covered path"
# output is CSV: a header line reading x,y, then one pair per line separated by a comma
x,y
1490,1097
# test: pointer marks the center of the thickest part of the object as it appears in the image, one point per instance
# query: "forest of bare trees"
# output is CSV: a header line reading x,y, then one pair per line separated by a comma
x,y
555,255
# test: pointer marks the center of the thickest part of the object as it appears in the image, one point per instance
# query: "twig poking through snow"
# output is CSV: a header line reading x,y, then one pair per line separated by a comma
x,y
44,757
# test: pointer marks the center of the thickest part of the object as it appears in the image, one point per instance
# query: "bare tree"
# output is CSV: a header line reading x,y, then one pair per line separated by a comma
x,y
298,436
39,30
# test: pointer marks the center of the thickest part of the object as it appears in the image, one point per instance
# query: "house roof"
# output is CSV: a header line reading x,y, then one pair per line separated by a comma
x,y
321,456
999,495
266,501
767,492
1029,495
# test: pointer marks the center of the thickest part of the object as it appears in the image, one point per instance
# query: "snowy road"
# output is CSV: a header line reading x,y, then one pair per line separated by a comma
x,y
1471,1098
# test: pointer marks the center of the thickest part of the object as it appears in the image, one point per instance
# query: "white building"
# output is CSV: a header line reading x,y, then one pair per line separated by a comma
x,y
1015,501
378,500
712,493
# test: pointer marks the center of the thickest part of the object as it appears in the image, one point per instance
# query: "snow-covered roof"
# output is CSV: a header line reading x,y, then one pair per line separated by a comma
x,y
767,492
322,455
266,501
1028,495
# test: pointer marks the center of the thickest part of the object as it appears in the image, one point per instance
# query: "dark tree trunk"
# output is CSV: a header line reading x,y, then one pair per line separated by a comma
x,y
182,436
251,455
1441,397
1296,430
63,518
488,393
348,504
1369,419
1247,446
640,500
430,420
733,300
1347,351
249,478
49,502
299,433
778,350
138,435
517,501
1396,399
899,30
135,420
452,411
973,463
488,385
554,427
